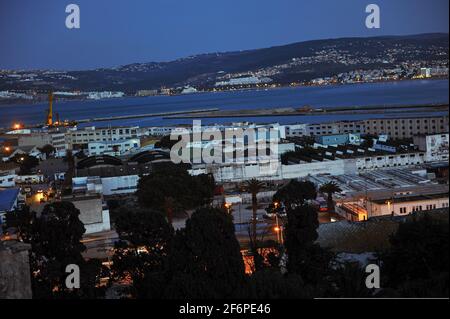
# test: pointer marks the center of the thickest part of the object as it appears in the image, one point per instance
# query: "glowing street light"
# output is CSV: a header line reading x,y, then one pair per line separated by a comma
x,y
227,207
279,231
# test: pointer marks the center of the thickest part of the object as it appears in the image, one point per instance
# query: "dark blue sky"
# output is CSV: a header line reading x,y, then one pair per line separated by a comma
x,y
117,32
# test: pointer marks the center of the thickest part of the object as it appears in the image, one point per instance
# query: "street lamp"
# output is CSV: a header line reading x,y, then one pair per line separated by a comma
x,y
279,230
228,207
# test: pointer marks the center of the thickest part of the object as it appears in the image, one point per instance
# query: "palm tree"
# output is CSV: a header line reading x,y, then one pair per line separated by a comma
x,y
254,186
330,188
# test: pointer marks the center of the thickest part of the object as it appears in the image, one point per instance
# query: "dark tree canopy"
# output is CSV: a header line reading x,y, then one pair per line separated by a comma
x,y
170,187
267,284
55,238
26,162
295,193
418,253
329,189
47,149
166,142
207,251
305,257
141,253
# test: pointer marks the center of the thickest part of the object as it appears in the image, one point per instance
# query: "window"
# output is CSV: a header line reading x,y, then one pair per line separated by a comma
x,y
402,210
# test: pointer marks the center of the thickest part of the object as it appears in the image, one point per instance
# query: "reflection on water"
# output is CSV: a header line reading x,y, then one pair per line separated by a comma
x,y
392,93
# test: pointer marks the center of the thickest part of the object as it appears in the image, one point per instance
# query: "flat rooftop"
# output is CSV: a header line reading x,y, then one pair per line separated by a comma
x,y
382,182
410,198
307,153
113,171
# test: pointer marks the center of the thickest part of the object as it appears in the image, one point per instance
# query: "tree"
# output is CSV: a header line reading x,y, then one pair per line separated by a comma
x,y
206,261
47,149
166,142
55,238
171,189
330,188
348,280
418,256
141,253
295,193
305,257
269,284
26,162
254,186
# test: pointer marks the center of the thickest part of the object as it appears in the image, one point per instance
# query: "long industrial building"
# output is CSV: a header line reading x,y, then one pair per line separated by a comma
x,y
404,127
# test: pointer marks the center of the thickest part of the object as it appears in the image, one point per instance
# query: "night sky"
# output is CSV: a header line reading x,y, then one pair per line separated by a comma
x,y
117,32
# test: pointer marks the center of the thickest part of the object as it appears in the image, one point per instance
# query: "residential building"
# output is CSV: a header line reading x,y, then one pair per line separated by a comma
x,y
9,200
81,138
342,127
58,141
296,130
94,213
146,92
113,148
435,146
403,205
338,139
160,130
406,127
394,202
111,180
7,179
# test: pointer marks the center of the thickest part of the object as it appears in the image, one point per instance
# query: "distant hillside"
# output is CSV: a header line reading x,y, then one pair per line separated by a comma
x,y
297,62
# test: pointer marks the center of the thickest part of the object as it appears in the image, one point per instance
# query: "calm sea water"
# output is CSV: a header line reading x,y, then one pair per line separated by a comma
x,y
392,93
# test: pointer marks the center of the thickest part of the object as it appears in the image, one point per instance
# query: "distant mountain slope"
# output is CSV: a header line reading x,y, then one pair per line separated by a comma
x,y
301,61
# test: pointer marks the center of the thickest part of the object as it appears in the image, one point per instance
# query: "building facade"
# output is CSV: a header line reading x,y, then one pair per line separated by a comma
x,y
113,148
81,138
407,127
435,146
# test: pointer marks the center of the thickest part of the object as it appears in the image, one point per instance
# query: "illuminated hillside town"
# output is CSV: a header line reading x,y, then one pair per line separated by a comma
x,y
285,172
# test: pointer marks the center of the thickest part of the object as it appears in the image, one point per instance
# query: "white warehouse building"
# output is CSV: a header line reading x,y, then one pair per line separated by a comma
x,y
113,148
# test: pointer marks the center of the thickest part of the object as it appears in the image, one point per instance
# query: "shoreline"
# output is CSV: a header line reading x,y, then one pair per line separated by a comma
x,y
65,100
317,112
